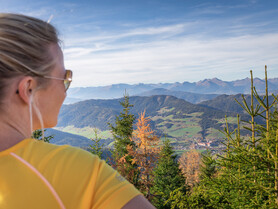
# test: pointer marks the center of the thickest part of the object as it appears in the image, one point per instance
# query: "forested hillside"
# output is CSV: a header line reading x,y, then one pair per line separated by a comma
x,y
227,103
181,121
187,96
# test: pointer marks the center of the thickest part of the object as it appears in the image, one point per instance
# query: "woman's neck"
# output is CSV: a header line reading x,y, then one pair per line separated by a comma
x,y
13,129
15,119
9,138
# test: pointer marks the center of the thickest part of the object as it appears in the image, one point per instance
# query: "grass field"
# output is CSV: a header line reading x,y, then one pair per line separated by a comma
x,y
86,132
213,133
180,152
182,128
231,120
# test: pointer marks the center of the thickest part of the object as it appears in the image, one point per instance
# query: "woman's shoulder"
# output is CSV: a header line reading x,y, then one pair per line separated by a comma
x,y
49,157
81,178
71,171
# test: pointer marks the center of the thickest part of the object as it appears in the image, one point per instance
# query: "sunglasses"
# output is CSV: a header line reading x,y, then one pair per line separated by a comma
x,y
67,80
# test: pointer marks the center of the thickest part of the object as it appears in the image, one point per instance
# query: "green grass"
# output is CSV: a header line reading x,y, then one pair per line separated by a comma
x,y
106,134
185,132
182,127
195,114
165,109
231,120
169,117
214,133
190,118
180,152
86,132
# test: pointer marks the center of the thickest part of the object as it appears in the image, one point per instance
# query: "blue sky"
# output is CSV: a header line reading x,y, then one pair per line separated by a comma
x,y
158,41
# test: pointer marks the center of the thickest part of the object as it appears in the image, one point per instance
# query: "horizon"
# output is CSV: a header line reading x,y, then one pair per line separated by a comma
x,y
153,41
134,84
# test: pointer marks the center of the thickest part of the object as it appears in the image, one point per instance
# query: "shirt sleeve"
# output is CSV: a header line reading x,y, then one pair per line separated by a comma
x,y
111,189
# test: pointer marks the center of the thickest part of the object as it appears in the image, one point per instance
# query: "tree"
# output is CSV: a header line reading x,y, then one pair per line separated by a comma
x,y
96,148
247,175
208,166
167,177
122,132
39,135
190,163
145,154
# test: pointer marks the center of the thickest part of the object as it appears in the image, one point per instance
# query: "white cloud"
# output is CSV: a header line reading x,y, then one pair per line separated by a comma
x,y
161,31
190,49
181,59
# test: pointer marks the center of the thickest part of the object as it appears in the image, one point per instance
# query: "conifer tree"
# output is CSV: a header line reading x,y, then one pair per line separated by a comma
x,y
96,148
208,166
247,175
122,132
167,177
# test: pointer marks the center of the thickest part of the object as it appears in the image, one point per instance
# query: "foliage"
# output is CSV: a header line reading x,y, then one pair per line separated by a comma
x,y
96,148
167,177
38,134
122,132
208,166
190,163
178,199
145,154
245,175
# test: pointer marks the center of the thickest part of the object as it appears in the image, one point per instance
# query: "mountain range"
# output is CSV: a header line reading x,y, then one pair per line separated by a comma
x,y
186,113
213,87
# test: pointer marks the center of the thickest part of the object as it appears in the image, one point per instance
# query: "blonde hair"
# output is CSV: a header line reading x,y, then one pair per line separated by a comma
x,y
24,47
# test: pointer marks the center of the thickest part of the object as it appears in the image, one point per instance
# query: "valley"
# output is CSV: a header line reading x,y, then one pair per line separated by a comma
x,y
188,114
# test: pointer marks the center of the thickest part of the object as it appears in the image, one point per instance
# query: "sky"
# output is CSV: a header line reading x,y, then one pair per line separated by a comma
x,y
160,41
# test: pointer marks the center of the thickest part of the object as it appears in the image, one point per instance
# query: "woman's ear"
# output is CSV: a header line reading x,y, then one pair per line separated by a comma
x,y
25,88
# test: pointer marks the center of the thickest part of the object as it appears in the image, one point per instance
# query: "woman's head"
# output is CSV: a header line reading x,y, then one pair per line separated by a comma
x,y
29,57
24,48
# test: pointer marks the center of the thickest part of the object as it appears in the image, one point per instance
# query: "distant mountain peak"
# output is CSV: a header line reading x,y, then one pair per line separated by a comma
x,y
212,82
215,79
206,86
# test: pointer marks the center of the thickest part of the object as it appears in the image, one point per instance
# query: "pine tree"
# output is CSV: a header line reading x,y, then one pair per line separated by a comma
x,y
96,148
167,177
247,175
204,194
208,166
122,132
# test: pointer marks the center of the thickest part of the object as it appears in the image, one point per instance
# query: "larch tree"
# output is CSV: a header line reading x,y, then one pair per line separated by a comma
x,y
190,165
146,153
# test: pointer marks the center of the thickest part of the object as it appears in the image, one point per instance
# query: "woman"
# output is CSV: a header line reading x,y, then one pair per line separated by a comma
x,y
34,174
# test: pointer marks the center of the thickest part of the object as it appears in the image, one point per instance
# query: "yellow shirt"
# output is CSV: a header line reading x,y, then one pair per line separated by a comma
x,y
38,175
